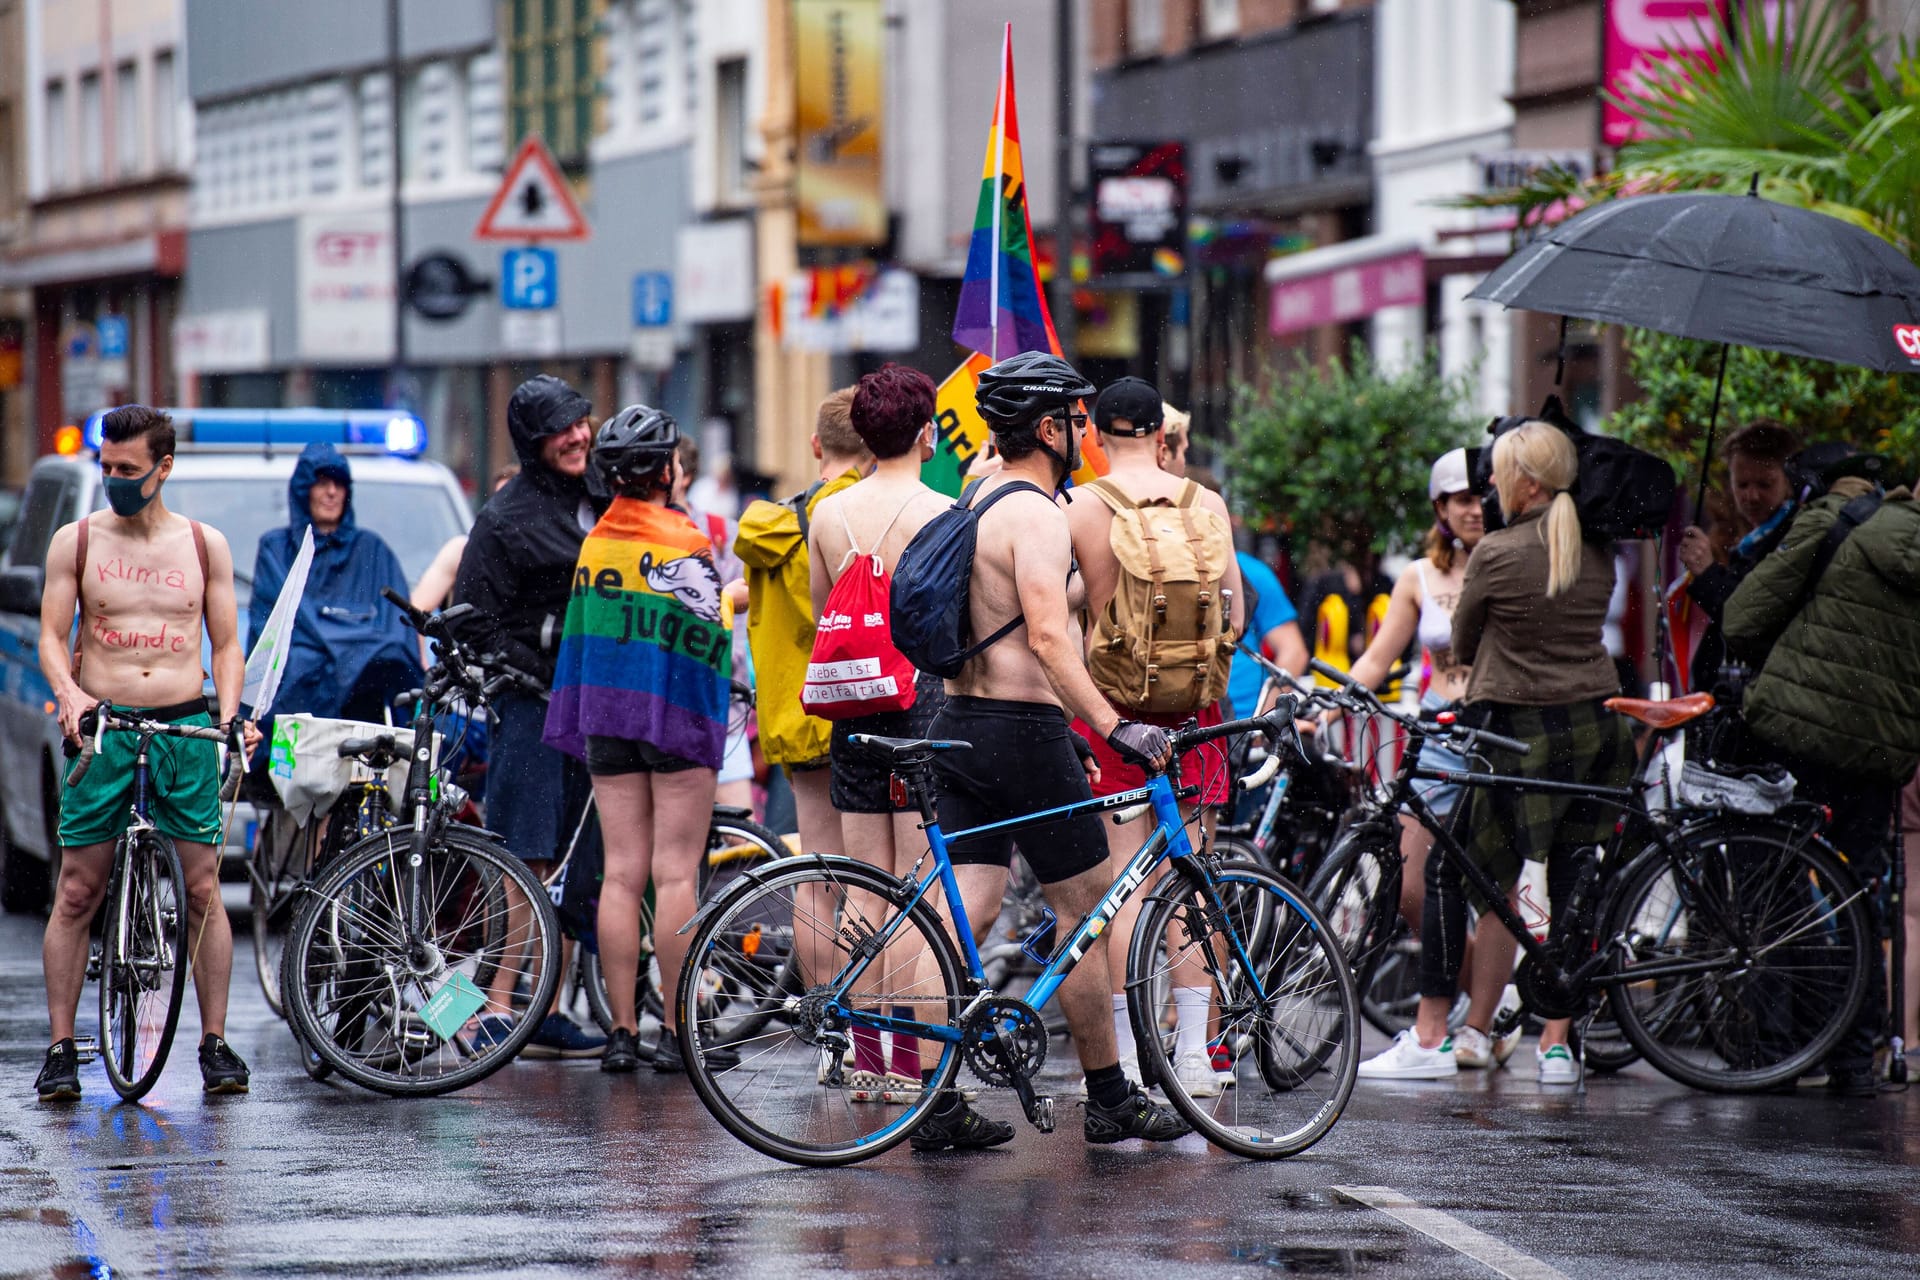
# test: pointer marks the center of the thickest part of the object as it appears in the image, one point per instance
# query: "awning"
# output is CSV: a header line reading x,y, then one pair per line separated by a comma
x,y
156,253
1343,282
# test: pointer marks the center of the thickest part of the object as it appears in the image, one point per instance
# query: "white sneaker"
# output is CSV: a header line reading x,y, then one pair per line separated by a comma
x,y
1472,1049
1407,1060
1509,1005
1195,1075
866,1086
1557,1066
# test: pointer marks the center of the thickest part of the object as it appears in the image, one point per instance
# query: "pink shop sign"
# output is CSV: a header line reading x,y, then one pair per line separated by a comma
x,y
1348,293
1641,33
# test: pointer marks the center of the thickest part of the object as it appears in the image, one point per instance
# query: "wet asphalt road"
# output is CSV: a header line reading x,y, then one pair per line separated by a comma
x,y
552,1169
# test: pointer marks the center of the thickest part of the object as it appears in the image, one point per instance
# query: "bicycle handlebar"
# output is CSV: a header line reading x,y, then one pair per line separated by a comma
x,y
1467,735
105,717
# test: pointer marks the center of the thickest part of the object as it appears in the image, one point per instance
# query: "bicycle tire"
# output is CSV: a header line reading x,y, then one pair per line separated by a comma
x,y
754,846
1796,936
774,1098
1296,1052
143,962
1358,889
275,871
318,1069
354,996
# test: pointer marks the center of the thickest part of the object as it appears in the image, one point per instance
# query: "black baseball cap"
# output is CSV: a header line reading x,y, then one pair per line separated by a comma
x,y
1131,400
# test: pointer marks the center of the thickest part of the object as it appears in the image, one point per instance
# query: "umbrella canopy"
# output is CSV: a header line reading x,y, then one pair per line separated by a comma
x,y
1730,269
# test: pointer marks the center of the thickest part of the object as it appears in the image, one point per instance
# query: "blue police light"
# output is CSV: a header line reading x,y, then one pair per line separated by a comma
x,y
406,435
93,431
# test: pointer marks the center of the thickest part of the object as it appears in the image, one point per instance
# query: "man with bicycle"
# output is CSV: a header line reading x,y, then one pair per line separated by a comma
x,y
144,581
1007,702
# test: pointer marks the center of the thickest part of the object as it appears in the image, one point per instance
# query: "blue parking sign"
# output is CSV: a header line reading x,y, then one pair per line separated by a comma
x,y
652,300
529,279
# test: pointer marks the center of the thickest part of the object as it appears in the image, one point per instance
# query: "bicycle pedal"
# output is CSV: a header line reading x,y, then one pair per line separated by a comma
x,y
1041,1114
85,1049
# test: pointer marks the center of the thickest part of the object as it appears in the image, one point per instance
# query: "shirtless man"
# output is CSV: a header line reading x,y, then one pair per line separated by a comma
x,y
1008,703
142,597
1130,418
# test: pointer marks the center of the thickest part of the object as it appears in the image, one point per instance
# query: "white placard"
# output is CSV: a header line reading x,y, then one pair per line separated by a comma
x,y
886,318
530,333
713,272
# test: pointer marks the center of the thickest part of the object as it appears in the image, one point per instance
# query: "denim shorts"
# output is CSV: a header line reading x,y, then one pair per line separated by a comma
x,y
1441,797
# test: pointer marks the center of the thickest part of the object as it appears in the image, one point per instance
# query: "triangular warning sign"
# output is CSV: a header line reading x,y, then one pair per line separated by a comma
x,y
533,202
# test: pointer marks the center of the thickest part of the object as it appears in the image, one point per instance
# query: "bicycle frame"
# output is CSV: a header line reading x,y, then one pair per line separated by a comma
x,y
1167,840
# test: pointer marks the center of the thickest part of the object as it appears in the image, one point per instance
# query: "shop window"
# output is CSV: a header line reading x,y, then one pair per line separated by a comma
x,y
730,130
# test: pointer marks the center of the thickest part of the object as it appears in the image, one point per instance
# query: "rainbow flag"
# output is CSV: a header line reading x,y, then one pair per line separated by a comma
x,y
646,651
1003,310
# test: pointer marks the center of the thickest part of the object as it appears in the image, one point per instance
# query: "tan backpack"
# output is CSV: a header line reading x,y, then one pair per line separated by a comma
x,y
1162,645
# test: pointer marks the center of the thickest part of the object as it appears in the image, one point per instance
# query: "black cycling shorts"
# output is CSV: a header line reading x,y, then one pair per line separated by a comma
x,y
615,757
1022,761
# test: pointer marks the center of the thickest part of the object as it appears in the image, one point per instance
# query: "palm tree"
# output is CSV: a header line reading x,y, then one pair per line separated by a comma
x,y
1799,103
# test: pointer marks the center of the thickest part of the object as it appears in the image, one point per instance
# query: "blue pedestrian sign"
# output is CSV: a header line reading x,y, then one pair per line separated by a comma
x,y
113,337
529,279
652,300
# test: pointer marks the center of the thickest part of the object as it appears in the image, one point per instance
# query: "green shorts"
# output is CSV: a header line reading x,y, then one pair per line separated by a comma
x,y
183,789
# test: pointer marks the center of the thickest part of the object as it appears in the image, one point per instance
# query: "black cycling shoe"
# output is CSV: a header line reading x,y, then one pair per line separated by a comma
x,y
1137,1117
1852,1082
622,1054
962,1129
59,1078
221,1070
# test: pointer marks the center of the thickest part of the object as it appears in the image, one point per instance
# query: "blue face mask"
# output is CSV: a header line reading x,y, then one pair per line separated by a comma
x,y
124,496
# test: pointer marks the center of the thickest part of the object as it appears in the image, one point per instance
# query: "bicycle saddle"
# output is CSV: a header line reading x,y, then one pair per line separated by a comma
x,y
903,748
1662,715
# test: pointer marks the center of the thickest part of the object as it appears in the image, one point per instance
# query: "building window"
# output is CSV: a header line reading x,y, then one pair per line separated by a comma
x,y
127,116
1146,27
730,130
166,110
435,123
1220,19
376,155
486,114
553,73
93,138
59,146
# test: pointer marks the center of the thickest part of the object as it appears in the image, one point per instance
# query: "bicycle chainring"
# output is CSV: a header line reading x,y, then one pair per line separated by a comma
x,y
1021,1032
1545,995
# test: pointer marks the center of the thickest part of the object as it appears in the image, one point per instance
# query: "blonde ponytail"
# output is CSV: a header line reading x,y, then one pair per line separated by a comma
x,y
1563,544
1541,452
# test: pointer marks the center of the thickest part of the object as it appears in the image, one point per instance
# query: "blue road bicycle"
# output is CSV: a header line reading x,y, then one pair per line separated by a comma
x,y
876,959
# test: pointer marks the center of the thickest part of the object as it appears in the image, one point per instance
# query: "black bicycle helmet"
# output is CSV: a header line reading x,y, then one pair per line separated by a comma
x,y
633,446
1020,390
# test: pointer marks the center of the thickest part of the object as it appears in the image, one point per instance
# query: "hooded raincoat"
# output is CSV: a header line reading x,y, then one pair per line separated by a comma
x,y
517,569
352,651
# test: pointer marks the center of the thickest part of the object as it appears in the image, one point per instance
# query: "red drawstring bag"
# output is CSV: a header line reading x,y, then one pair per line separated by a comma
x,y
855,670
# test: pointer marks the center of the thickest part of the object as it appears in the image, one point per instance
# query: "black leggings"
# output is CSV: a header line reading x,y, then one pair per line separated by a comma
x,y
1444,918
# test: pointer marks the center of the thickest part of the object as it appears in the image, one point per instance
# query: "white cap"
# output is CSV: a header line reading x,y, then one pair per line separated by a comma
x,y
1449,475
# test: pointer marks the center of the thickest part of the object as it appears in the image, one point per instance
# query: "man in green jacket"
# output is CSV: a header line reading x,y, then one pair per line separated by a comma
x,y
1838,696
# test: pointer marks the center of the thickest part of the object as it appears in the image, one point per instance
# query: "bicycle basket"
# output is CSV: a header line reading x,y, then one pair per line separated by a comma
x,y
1758,789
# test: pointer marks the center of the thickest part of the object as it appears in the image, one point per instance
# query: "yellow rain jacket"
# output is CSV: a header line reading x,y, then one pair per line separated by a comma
x,y
772,543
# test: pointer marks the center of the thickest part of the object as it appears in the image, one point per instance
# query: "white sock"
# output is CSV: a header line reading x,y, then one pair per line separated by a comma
x,y
1123,1029
1190,1005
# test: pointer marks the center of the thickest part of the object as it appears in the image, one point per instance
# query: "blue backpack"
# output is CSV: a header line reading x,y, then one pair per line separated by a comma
x,y
931,585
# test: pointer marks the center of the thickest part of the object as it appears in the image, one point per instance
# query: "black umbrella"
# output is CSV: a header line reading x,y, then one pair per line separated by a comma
x,y
1728,269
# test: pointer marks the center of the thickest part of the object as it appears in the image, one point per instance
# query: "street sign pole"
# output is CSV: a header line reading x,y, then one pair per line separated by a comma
x,y
398,391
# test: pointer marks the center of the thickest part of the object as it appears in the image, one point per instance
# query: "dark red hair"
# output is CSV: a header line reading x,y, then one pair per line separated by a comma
x,y
890,406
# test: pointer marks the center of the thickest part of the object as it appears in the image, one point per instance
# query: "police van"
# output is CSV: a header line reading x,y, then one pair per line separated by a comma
x,y
230,471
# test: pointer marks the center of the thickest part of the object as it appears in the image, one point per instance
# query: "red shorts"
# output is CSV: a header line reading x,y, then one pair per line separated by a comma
x,y
1205,765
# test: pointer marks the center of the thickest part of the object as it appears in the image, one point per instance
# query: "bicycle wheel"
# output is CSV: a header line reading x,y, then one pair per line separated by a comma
x,y
735,846
441,1013
1284,1002
143,962
316,1067
1358,888
1780,932
787,1096
282,855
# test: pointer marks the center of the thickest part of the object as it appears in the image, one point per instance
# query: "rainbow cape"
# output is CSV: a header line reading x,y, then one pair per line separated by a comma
x,y
646,652
1002,310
